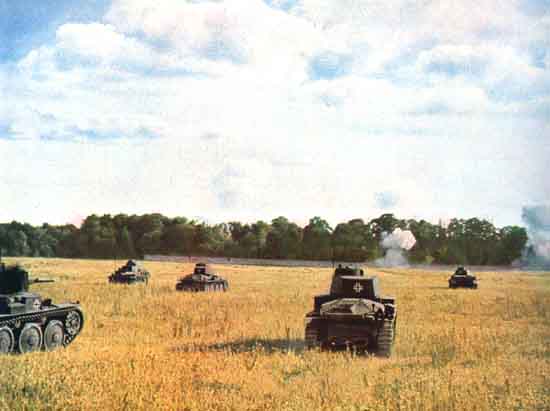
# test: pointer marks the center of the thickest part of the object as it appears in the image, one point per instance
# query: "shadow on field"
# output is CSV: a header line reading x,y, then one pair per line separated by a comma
x,y
267,347
249,345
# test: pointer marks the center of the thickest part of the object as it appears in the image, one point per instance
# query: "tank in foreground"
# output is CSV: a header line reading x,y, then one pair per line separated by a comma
x,y
29,323
352,315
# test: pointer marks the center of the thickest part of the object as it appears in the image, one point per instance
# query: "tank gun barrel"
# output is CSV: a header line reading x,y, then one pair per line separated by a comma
x,y
40,281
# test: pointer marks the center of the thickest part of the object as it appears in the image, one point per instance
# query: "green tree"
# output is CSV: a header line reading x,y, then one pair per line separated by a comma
x,y
283,239
355,241
513,240
426,235
317,240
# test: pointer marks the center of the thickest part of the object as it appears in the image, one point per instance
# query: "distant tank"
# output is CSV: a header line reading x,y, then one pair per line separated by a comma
x,y
28,322
352,315
130,273
203,278
462,278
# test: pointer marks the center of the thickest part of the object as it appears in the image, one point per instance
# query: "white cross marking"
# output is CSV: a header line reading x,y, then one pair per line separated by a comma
x,y
358,288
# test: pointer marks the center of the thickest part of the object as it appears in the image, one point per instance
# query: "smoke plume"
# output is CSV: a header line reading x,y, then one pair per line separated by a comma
x,y
537,219
394,245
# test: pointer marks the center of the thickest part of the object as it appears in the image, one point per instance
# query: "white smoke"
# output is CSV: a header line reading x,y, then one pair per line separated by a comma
x,y
537,219
394,245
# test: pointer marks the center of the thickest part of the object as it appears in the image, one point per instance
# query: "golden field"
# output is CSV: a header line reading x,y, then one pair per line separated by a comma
x,y
152,348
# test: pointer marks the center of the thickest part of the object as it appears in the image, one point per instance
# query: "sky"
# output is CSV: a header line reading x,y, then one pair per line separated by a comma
x,y
251,109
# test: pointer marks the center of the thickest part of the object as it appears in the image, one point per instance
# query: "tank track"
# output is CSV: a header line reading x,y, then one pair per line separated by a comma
x,y
312,336
386,337
41,319
122,280
213,287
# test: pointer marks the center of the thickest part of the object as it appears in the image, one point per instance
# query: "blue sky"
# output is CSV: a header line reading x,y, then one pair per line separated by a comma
x,y
252,109
25,24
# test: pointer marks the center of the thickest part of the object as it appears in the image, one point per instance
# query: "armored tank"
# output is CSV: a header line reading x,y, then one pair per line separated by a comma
x,y
28,322
462,278
130,273
203,278
352,315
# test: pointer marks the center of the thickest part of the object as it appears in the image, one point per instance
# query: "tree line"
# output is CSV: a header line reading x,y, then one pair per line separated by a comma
x,y
461,241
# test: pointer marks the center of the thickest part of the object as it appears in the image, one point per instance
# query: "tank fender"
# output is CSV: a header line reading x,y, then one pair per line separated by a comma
x,y
387,300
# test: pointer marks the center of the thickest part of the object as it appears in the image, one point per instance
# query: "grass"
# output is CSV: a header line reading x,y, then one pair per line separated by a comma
x,y
152,348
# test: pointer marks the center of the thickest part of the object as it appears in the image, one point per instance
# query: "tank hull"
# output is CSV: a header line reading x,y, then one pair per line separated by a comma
x,y
48,328
362,334
128,279
463,282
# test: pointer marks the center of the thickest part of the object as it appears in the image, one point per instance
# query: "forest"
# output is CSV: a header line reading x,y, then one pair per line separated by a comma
x,y
461,241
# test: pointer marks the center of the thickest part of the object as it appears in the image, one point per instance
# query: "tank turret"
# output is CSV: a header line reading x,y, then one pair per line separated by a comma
x,y
16,280
352,314
30,323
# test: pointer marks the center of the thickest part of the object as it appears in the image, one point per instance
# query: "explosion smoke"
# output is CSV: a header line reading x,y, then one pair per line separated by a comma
x,y
537,219
394,245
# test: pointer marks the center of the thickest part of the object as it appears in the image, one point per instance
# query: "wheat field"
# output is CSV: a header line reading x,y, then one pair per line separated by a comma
x,y
152,348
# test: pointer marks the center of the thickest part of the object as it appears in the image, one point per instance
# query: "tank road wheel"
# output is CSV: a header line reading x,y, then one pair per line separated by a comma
x,y
30,338
6,340
53,335
386,336
73,323
312,336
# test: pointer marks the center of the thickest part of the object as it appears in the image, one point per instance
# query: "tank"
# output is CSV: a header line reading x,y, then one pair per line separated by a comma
x,y
30,323
352,315
130,273
203,278
462,279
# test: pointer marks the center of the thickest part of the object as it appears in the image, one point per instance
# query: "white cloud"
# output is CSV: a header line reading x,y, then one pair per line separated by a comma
x,y
97,40
243,130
